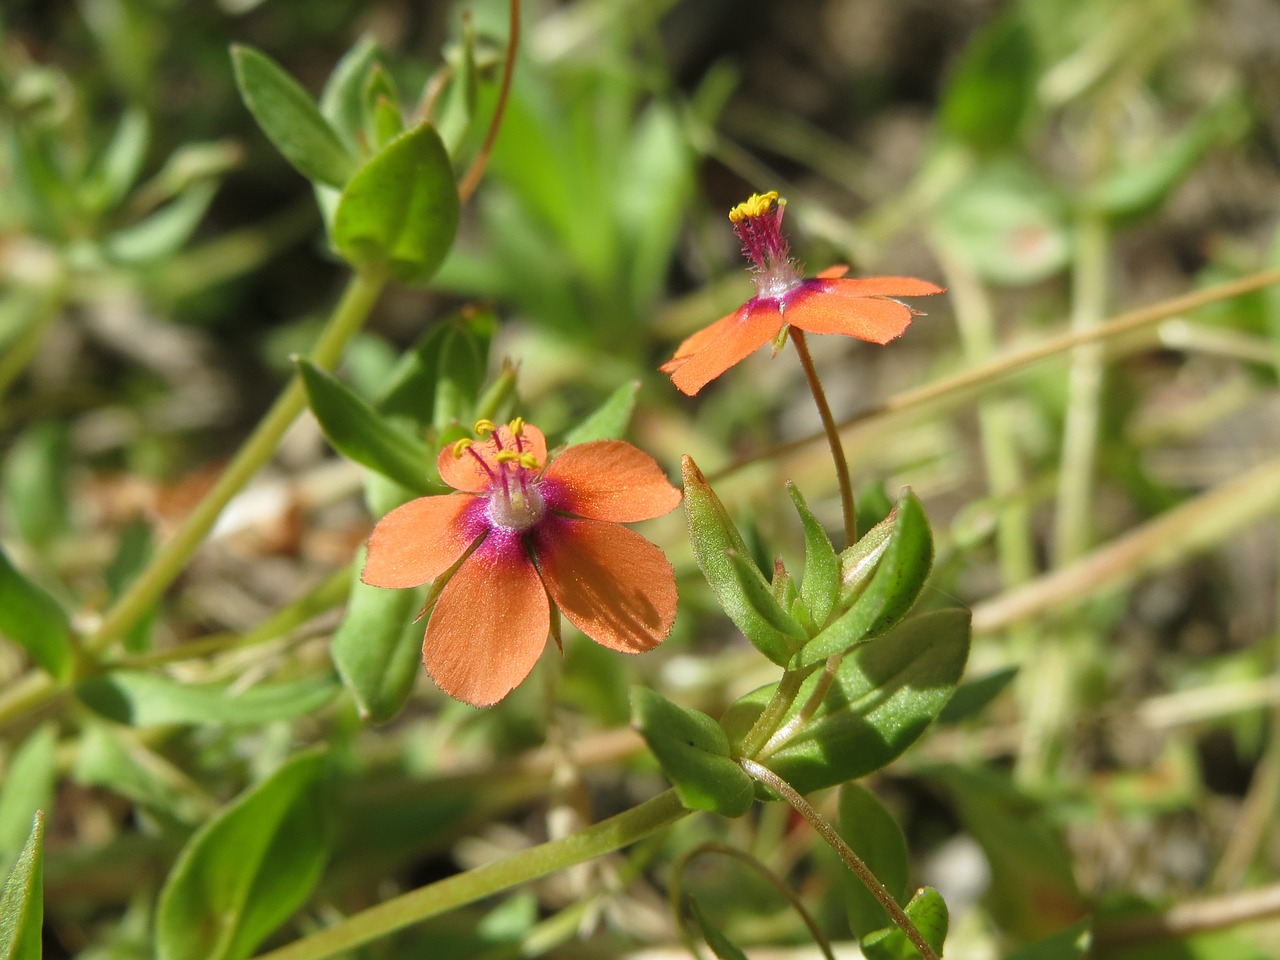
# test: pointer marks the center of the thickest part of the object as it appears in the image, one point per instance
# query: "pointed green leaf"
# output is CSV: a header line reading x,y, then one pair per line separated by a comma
x,y
1033,890
121,161
163,232
33,620
875,836
694,754
290,119
377,648
249,869
464,360
993,88
455,350
714,539
928,911
360,433
22,904
973,695
27,787
383,121
821,579
458,105
721,945
143,699
35,482
1074,943
341,100
608,421
901,568
761,597
399,212
885,694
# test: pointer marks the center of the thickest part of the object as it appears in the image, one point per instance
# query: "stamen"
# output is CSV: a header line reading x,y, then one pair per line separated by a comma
x,y
461,446
756,205
483,428
484,465
516,426
507,456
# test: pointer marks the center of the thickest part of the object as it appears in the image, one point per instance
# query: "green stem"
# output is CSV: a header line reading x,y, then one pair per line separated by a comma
x,y
851,860
833,436
463,888
771,717
348,317
23,696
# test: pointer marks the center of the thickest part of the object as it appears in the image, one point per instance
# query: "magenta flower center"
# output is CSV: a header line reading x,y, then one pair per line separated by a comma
x,y
515,502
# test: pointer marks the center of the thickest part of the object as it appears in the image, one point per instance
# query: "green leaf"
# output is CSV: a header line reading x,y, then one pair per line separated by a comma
x,y
900,568
1033,891
884,695
875,836
993,88
399,212
32,619
1072,943
341,100
249,869
163,232
715,540
28,785
121,161
721,945
973,695
760,595
928,911
22,904
694,754
35,482
821,582
608,421
455,350
360,433
290,119
132,555
377,648
383,121
1139,187
105,758
458,105
143,699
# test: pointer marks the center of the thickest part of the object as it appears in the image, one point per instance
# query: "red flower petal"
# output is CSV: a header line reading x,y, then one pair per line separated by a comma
x,y
838,306
467,473
419,541
733,342
695,342
609,582
885,287
489,626
608,480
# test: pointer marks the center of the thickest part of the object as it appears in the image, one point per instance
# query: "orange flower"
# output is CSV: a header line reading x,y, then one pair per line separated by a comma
x,y
523,534
861,308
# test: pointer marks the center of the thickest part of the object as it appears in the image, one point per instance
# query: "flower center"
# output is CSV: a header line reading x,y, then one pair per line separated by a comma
x,y
758,224
515,502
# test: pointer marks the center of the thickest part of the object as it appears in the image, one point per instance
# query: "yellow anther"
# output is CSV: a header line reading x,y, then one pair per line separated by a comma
x,y
483,428
755,205
517,426
507,456
528,461
460,447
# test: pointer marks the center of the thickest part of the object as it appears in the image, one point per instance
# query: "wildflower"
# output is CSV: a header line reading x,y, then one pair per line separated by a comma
x,y
521,535
828,303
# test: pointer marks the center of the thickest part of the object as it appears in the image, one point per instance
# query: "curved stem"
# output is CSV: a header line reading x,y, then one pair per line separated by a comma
x,y
471,179
833,436
774,711
348,317
463,888
851,860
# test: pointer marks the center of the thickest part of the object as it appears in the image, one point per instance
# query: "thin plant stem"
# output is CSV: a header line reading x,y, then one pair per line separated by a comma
x,y
348,317
471,179
1016,361
1195,916
26,695
851,860
775,881
806,712
463,888
833,436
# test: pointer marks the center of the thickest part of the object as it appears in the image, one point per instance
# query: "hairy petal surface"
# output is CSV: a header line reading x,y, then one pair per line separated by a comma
x,y
490,624
608,480
609,582
420,540
755,325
